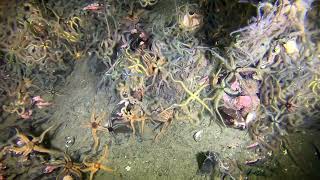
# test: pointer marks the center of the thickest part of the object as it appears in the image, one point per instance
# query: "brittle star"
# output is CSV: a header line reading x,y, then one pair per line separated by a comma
x,y
137,66
192,96
127,74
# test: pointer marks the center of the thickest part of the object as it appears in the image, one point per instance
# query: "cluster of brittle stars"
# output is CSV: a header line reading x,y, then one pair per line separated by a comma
x,y
28,144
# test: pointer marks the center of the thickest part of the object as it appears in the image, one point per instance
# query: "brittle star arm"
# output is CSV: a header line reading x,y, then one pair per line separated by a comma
x,y
216,98
192,96
40,139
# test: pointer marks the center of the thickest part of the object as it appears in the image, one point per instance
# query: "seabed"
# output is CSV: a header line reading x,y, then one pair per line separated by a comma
x,y
159,89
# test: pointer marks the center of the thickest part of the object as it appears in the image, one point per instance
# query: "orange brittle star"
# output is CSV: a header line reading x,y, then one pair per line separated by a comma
x,y
135,116
95,125
93,167
165,117
30,145
68,167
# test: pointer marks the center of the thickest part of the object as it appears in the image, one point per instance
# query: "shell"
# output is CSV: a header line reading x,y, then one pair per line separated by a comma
x,y
67,177
251,117
198,135
69,141
291,47
191,21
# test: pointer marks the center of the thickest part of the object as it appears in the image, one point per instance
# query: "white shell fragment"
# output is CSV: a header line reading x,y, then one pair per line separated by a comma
x,y
67,177
128,168
291,47
198,135
69,141
251,117
191,21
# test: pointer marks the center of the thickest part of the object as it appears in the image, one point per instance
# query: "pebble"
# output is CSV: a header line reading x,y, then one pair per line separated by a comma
x,y
128,168
198,135
69,141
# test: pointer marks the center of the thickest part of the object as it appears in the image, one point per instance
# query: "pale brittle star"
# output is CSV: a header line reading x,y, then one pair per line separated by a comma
x,y
192,96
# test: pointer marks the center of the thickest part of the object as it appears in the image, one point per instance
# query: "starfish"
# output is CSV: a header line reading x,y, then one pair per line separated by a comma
x,y
69,167
30,145
192,96
95,125
94,167
133,116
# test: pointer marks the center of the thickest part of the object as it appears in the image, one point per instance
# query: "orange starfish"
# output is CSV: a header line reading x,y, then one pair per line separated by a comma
x,y
95,125
93,167
135,115
69,167
30,145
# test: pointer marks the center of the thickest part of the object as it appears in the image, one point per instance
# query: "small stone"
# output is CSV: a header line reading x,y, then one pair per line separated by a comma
x,y
198,135
67,177
69,141
128,168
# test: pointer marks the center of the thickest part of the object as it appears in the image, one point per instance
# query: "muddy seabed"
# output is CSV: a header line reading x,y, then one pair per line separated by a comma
x,y
86,87
174,156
